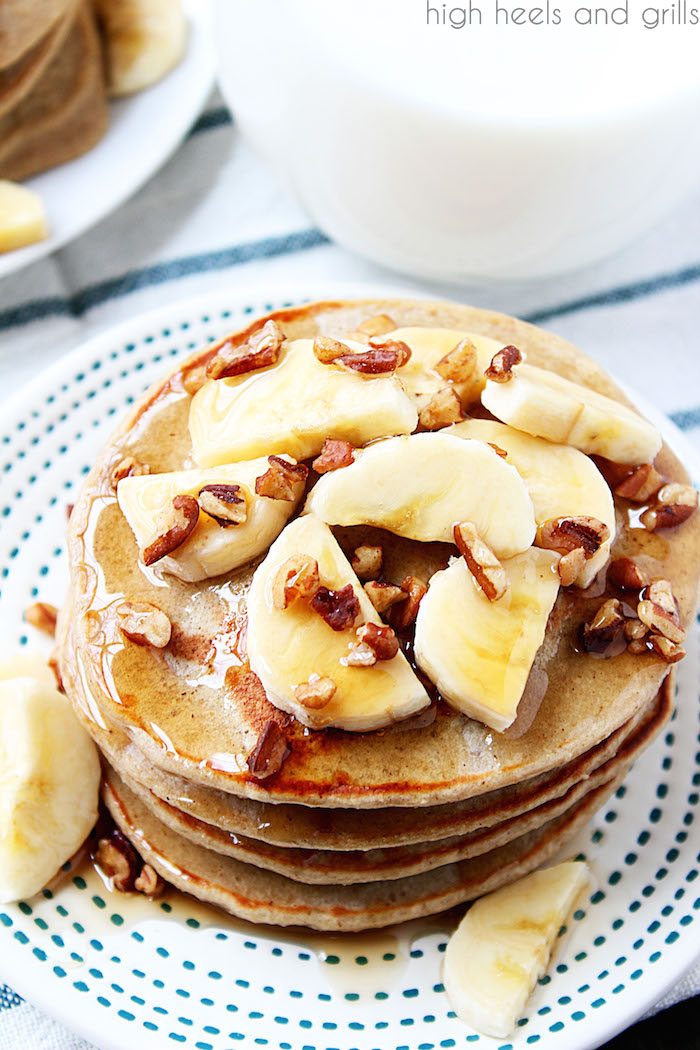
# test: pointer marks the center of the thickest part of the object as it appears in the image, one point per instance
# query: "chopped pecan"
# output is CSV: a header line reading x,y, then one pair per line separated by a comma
x,y
638,646
604,627
405,612
149,883
359,655
118,860
69,510
260,350
127,467
658,610
625,574
316,693
396,346
144,624
194,379
42,615
334,455
674,504
56,670
498,450
380,324
380,639
443,408
639,486
481,561
461,364
570,566
566,534
501,368
283,480
327,350
181,525
378,360
670,651
269,753
384,595
366,561
635,629
226,504
296,578
339,609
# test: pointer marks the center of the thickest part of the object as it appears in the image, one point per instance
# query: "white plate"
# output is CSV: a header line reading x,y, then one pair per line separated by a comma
x,y
126,972
143,131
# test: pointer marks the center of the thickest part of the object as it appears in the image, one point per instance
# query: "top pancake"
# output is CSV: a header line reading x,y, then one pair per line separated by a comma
x,y
196,710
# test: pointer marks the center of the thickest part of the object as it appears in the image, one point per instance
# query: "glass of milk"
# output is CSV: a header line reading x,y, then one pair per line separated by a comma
x,y
450,148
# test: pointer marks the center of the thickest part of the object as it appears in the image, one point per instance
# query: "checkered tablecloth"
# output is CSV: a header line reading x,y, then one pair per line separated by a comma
x,y
216,217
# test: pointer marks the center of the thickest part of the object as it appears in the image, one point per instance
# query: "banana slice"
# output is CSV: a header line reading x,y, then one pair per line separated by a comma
x,y
26,664
293,407
562,481
428,347
479,653
504,944
421,486
287,647
546,405
145,39
211,549
49,781
22,217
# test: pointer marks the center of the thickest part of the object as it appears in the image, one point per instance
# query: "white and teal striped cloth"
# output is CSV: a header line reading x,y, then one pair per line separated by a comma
x,y
217,217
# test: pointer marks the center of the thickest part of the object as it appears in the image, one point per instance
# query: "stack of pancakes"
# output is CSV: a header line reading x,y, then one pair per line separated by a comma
x,y
355,830
53,103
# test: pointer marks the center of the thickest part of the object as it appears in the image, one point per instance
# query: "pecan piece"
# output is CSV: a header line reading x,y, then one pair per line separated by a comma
x,y
668,650
327,350
384,595
638,646
566,534
226,504
144,624
625,574
635,630
443,408
194,379
461,364
260,350
43,616
498,450
674,504
639,486
118,860
367,561
380,639
380,324
334,455
396,346
316,693
373,362
604,627
269,753
149,883
184,520
56,670
283,480
501,368
296,578
339,609
658,610
127,467
570,566
481,561
359,655
404,613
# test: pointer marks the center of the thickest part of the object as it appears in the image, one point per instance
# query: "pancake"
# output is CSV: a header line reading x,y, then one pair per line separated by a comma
x,y
344,868
189,717
263,896
23,23
65,112
19,77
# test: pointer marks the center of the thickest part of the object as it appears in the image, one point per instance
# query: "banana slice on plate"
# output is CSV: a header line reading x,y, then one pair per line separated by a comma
x,y
504,944
26,664
49,781
430,346
292,647
546,405
562,481
22,217
145,39
422,485
479,653
212,548
293,407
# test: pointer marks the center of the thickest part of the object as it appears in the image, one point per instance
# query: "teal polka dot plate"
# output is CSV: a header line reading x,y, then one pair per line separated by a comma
x,y
126,972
